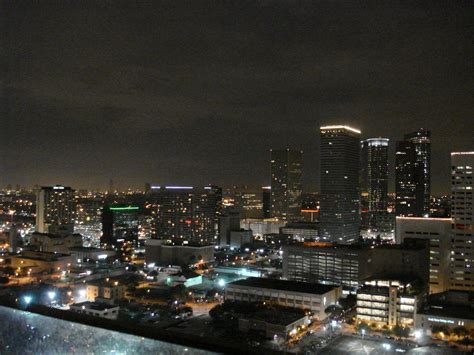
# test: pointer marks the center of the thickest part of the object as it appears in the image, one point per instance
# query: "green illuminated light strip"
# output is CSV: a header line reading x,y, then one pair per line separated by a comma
x,y
129,208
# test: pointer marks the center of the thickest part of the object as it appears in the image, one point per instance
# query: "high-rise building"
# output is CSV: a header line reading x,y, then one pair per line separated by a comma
x,y
186,215
462,212
438,233
207,210
374,179
55,209
119,225
413,174
286,170
266,201
339,183
229,221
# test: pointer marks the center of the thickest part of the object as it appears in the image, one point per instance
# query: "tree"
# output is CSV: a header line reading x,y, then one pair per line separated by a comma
x,y
178,292
440,329
333,311
4,280
348,302
460,331
362,327
401,332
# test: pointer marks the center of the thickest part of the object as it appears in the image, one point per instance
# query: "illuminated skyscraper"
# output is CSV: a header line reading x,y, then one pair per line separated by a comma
x,y
266,201
374,157
55,210
186,215
286,170
119,225
462,212
413,174
339,183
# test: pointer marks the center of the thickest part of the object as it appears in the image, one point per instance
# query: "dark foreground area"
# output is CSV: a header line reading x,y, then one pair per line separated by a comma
x,y
29,333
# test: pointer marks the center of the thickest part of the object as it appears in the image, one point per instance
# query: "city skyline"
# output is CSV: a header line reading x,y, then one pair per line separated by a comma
x,y
111,96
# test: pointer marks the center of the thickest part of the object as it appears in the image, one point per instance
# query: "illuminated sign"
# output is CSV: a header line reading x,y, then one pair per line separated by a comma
x,y
439,320
127,208
341,127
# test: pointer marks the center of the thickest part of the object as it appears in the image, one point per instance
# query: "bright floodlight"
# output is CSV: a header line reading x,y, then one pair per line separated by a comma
x,y
52,295
417,334
27,299
221,282
82,293
386,346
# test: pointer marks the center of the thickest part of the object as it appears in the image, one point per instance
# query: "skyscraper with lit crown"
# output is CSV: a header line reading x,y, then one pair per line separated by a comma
x,y
339,183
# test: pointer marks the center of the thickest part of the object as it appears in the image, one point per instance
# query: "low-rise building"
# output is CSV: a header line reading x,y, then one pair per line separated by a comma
x,y
108,291
387,302
282,326
55,243
350,265
301,231
82,254
452,309
39,261
160,253
240,238
437,231
314,297
96,309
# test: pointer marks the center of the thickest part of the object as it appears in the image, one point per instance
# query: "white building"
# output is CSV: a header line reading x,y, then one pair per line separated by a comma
x,y
96,309
386,302
304,295
438,232
462,211
55,209
55,243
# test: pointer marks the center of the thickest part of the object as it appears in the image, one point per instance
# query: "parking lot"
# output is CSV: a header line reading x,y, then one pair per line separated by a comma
x,y
356,345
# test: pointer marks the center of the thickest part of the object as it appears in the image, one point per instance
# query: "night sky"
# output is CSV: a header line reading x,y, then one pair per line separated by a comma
x,y
197,92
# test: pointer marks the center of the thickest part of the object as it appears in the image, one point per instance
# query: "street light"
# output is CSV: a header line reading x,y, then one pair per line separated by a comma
x,y
51,295
27,299
221,282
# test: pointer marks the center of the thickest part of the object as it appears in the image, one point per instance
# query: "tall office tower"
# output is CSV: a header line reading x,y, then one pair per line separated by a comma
x,y
374,156
286,170
119,225
266,201
413,174
55,209
229,221
462,212
188,216
207,211
339,183
175,213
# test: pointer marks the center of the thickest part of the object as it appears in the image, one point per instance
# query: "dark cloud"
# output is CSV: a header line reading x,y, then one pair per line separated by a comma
x,y
197,92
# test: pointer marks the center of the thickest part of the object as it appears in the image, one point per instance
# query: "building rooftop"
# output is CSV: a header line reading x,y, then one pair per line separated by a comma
x,y
94,306
463,312
284,285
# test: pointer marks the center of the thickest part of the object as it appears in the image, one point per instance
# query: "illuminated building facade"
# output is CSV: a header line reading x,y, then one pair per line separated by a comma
x,y
462,212
413,174
186,215
374,183
55,210
339,183
386,302
119,225
286,169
